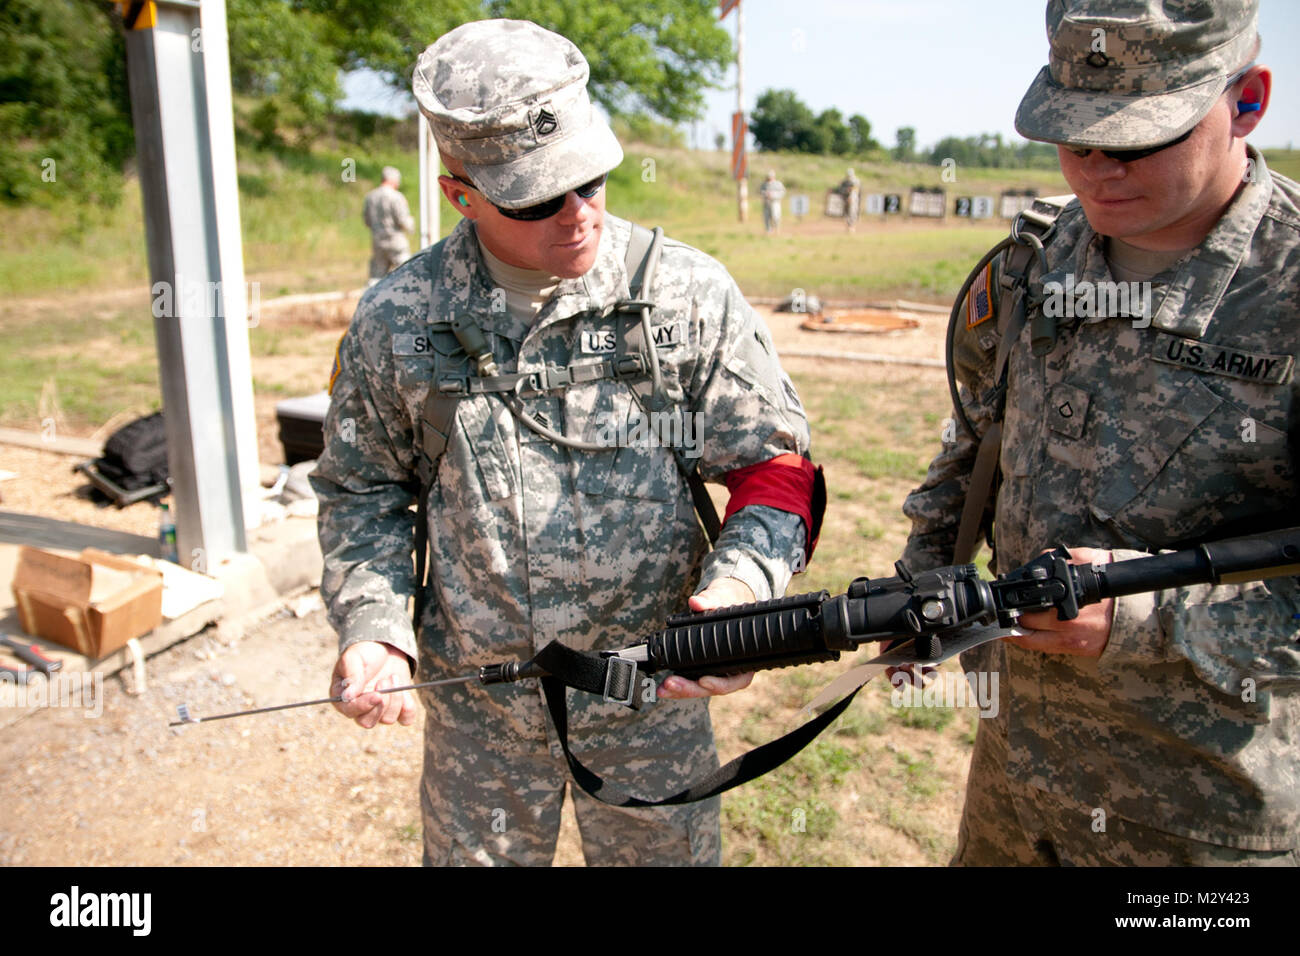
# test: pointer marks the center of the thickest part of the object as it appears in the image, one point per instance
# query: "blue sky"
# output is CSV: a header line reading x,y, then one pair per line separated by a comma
x,y
945,67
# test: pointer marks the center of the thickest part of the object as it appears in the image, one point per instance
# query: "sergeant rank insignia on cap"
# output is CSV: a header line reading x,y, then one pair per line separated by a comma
x,y
545,122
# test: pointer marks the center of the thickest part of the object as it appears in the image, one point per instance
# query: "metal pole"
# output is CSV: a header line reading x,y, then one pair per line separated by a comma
x,y
429,191
178,68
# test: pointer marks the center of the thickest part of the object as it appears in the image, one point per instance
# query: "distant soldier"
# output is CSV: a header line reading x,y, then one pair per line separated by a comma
x,y
772,192
849,189
389,219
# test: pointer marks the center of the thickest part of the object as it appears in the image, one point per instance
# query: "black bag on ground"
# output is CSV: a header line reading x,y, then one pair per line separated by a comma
x,y
134,461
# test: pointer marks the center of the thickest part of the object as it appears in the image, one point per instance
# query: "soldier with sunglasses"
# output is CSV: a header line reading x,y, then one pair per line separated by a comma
x,y
1157,729
552,515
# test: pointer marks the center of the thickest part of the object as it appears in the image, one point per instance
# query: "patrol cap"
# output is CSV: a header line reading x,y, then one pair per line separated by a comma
x,y
509,100
1129,74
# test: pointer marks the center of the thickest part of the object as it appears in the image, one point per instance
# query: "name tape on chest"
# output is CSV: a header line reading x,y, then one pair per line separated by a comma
x,y
407,343
605,341
1223,359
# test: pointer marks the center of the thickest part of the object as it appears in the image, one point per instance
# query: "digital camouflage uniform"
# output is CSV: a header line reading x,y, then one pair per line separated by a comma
x,y
772,192
1181,739
850,188
531,542
389,219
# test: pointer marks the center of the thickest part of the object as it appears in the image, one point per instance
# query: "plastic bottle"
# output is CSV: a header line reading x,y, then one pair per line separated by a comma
x,y
167,535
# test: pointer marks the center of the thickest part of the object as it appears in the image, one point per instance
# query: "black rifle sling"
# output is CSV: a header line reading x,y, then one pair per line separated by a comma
x,y
743,769
584,671
1037,223
597,674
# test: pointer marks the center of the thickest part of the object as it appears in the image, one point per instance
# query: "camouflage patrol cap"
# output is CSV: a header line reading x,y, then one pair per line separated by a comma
x,y
1128,74
509,100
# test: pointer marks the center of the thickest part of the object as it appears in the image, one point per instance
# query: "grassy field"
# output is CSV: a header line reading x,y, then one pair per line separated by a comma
x,y
884,784
74,301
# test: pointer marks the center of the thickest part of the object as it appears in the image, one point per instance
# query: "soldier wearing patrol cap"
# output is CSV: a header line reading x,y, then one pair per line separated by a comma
x,y
389,219
1158,728
546,519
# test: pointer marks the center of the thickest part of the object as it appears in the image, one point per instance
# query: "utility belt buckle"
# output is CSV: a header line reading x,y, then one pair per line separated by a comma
x,y
620,681
544,380
628,366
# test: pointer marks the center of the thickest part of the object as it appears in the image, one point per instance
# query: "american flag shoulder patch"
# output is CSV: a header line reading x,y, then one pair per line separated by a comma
x,y
979,301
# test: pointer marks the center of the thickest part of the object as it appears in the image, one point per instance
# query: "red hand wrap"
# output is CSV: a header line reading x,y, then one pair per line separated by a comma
x,y
785,482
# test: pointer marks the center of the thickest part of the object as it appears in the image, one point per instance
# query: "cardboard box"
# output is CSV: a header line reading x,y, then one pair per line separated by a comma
x,y
93,604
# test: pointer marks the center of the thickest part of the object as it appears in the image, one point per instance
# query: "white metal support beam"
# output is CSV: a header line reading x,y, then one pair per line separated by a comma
x,y
178,67
429,191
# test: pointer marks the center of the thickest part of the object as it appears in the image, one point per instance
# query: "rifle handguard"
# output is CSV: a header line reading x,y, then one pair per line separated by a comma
x,y
749,637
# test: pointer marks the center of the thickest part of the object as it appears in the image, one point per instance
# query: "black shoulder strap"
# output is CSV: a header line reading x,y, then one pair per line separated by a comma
x,y
565,667
1030,230
434,427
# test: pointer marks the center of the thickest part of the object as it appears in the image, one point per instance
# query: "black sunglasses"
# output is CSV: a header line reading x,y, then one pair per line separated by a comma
x,y
1131,155
547,207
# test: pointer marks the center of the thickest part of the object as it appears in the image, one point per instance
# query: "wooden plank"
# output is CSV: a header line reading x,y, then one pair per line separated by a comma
x,y
19,528
77,447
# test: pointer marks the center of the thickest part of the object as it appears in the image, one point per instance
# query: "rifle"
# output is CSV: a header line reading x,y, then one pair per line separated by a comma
x,y
939,613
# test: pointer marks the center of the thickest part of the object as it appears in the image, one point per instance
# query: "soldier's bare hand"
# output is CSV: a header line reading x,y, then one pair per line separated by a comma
x,y
724,592
1085,636
364,668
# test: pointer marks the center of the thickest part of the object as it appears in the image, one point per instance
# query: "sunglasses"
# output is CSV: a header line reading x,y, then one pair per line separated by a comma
x,y
1131,155
547,207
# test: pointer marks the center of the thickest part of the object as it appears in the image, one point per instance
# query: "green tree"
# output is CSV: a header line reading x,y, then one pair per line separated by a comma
x,y
63,90
905,144
655,55
989,150
860,127
65,115
835,137
780,120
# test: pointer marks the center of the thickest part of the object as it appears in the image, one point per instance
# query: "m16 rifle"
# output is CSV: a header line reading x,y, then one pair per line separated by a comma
x,y
938,613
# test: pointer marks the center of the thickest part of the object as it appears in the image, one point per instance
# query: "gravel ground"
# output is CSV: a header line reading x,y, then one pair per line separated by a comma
x,y
303,787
